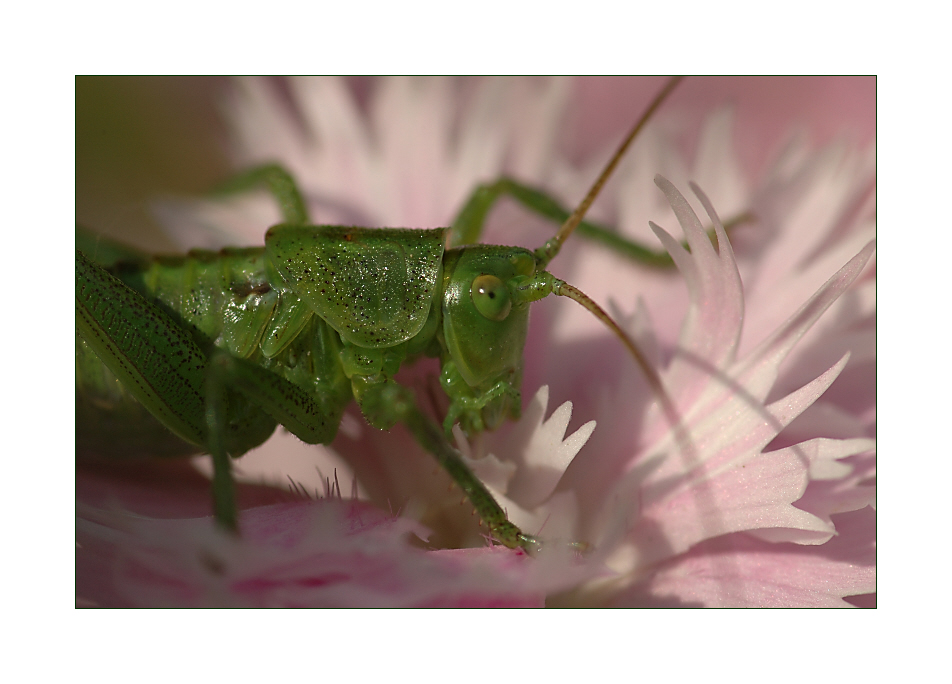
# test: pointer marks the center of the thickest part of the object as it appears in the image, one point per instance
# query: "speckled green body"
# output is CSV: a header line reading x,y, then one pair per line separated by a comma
x,y
333,310
210,351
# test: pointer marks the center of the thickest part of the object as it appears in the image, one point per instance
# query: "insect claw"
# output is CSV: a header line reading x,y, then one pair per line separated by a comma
x,y
530,544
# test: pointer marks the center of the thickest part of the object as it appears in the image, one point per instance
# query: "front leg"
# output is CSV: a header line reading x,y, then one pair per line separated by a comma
x,y
389,402
384,403
479,409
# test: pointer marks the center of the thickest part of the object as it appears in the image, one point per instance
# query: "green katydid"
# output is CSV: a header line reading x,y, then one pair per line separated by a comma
x,y
208,352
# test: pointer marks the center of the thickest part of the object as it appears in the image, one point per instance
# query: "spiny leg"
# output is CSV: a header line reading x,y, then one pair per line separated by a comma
x,y
389,402
468,225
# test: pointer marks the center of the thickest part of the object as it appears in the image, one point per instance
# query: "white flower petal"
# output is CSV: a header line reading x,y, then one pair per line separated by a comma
x,y
676,500
541,450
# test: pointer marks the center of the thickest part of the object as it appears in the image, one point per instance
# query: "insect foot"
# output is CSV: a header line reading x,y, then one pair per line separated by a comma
x,y
509,535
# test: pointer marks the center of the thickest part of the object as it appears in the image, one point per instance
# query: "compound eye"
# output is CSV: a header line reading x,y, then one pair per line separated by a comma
x,y
491,297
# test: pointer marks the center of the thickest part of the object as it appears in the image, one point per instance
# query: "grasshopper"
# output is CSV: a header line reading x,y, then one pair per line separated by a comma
x,y
210,351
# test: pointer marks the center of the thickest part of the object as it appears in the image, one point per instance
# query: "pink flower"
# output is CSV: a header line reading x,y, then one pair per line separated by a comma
x,y
767,351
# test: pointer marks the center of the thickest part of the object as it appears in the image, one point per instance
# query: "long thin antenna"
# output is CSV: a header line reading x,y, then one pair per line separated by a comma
x,y
563,289
548,251
549,283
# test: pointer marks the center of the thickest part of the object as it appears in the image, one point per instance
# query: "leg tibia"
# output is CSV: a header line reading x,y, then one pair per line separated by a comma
x,y
395,401
479,411
468,225
279,182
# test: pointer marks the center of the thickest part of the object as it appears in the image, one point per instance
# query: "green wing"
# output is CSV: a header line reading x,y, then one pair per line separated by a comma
x,y
155,359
